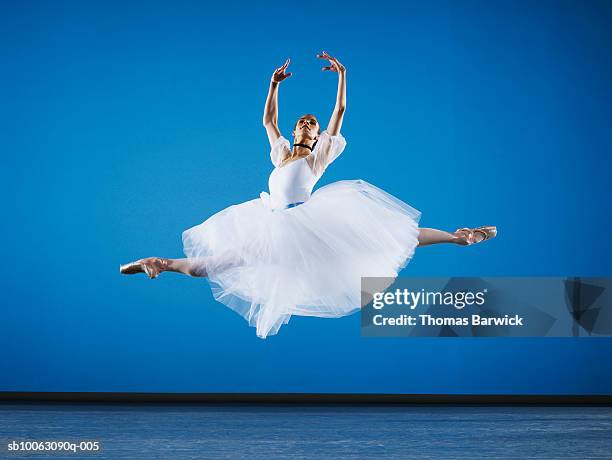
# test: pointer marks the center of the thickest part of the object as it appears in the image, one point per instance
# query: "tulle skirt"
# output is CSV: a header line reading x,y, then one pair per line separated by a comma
x,y
305,260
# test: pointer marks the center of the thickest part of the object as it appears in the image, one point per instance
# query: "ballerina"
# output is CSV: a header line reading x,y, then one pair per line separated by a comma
x,y
294,252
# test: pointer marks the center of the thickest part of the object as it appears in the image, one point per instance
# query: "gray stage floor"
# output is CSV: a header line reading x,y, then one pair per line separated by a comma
x,y
317,432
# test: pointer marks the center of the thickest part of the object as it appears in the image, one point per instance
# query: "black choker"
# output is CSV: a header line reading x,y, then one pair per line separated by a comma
x,y
307,146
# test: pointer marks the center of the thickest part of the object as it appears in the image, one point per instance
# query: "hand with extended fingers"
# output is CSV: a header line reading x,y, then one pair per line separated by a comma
x,y
279,74
334,66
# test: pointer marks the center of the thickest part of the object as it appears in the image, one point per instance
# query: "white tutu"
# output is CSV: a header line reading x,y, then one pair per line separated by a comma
x,y
306,260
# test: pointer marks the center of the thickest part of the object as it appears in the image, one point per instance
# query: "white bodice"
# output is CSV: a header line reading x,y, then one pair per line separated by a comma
x,y
293,182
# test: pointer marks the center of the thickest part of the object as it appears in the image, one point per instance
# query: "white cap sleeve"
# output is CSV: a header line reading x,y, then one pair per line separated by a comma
x,y
327,150
278,149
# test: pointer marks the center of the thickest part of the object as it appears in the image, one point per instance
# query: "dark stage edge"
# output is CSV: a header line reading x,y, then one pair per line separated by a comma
x,y
303,398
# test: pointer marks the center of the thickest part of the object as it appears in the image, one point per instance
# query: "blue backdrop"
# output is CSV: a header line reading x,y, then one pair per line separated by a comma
x,y
123,125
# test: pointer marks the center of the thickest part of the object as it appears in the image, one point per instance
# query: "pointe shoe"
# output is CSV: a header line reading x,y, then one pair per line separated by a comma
x,y
131,268
152,266
487,233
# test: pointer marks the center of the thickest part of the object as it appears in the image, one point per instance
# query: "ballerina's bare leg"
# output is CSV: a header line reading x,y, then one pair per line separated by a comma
x,y
196,267
186,266
463,237
153,266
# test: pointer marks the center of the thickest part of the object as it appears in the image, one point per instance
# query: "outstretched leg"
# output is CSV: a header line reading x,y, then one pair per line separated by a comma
x,y
197,266
463,236
186,266
153,266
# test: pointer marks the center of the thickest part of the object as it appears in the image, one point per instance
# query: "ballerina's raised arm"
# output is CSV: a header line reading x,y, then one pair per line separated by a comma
x,y
335,122
270,116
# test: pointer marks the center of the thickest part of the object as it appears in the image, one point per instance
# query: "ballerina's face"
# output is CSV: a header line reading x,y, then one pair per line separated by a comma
x,y
307,127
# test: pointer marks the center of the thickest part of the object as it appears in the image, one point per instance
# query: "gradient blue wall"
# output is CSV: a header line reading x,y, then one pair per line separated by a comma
x,y
123,125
